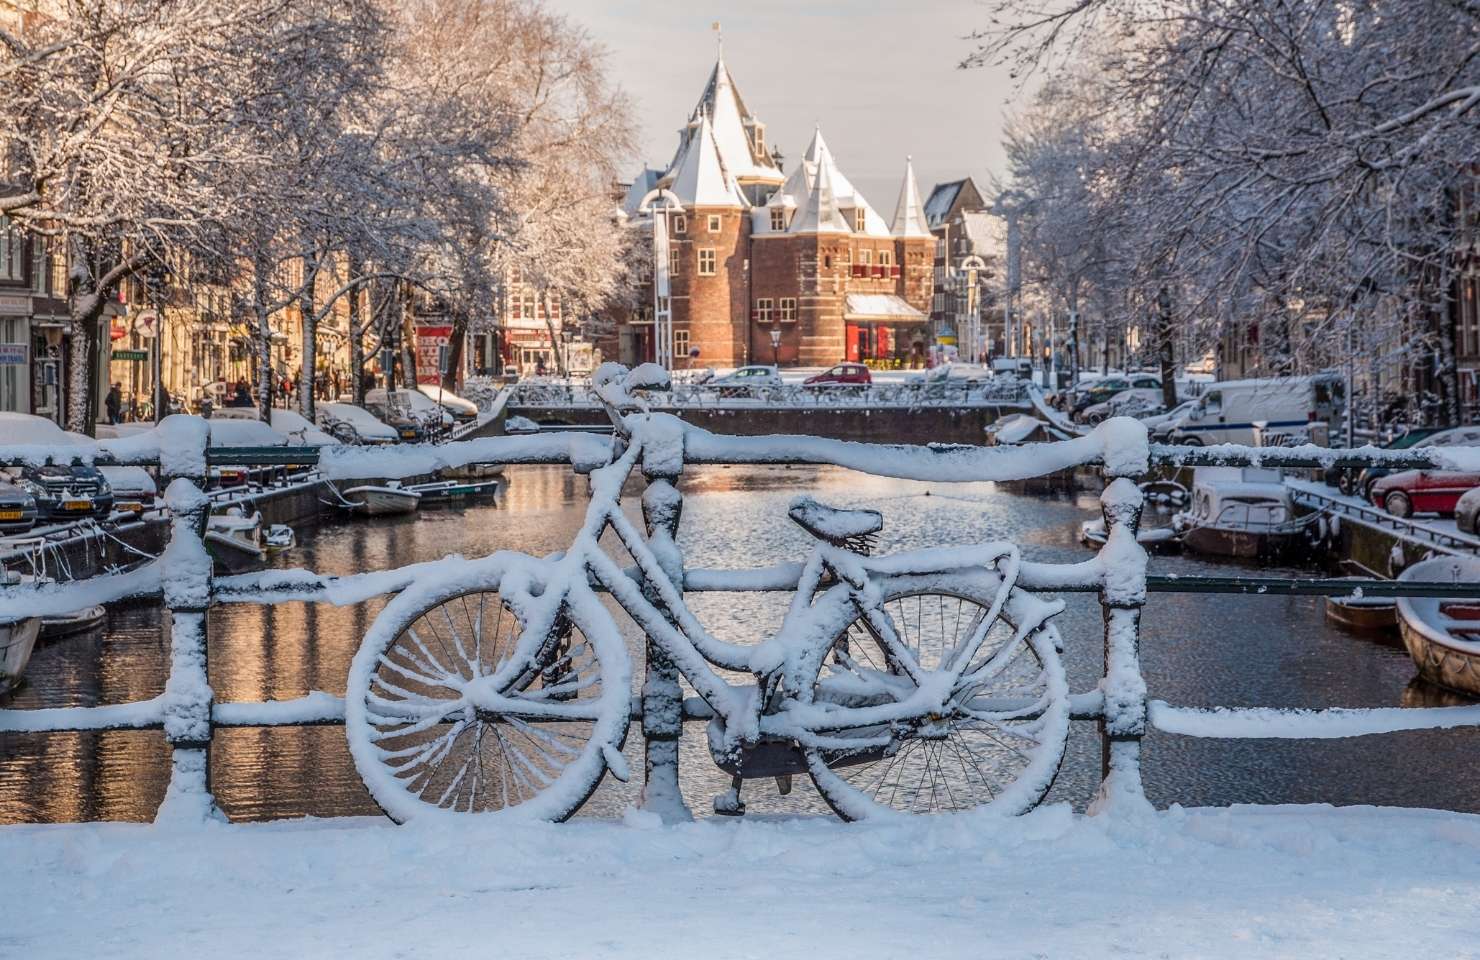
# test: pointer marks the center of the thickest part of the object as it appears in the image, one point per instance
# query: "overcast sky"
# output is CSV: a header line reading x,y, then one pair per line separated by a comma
x,y
879,75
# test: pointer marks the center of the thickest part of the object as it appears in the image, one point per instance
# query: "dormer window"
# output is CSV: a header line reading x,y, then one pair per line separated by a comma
x,y
714,223
778,218
860,219
680,223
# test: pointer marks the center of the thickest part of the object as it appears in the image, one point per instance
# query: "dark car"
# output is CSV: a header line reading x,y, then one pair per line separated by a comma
x,y
1103,389
1422,491
844,374
68,492
1360,482
17,507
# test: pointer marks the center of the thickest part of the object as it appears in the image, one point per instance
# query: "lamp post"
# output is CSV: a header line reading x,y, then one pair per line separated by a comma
x,y
775,346
657,204
971,320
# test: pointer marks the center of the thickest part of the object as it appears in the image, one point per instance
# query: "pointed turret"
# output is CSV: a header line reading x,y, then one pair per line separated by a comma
x,y
699,177
738,134
820,214
909,213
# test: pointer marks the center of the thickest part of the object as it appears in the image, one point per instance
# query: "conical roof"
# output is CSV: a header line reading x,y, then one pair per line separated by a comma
x,y
699,177
820,214
721,102
909,213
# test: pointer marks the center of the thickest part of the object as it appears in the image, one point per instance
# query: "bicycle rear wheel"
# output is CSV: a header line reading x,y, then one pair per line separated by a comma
x,y
424,749
997,746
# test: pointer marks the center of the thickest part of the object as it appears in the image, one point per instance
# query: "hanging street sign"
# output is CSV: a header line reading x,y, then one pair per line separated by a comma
x,y
135,355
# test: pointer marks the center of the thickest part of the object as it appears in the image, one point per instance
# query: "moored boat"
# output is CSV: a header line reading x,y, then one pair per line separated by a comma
x,y
234,540
453,489
17,640
78,621
1364,614
373,500
1152,539
1239,512
1443,635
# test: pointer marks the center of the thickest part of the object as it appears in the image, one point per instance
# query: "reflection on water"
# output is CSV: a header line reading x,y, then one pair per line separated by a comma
x,y
1198,650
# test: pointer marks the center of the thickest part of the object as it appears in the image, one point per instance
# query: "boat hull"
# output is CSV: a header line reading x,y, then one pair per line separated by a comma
x,y
232,554
17,640
80,621
1440,664
1226,542
1440,657
382,501
1367,616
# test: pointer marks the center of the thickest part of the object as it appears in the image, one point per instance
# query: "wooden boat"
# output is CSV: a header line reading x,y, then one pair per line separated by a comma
x,y
1443,636
234,540
17,640
380,501
453,489
1239,512
1364,614
78,621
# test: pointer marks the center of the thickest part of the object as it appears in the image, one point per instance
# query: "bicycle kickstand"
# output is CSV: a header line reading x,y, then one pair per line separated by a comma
x,y
729,804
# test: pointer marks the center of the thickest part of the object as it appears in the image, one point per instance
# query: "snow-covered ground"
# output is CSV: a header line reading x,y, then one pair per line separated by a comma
x,y
1298,882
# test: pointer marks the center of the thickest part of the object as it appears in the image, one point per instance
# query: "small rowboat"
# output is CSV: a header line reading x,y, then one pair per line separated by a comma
x,y
17,640
234,540
1443,636
453,489
1365,614
381,501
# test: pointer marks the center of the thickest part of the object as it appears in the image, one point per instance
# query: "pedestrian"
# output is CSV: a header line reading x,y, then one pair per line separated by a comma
x,y
539,366
164,403
114,404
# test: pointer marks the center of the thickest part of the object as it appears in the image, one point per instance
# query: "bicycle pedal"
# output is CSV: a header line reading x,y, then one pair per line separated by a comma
x,y
783,783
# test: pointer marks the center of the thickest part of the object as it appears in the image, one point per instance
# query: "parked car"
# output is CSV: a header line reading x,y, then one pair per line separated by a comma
x,y
1133,402
1467,512
62,491
1228,411
844,374
1418,438
1098,391
18,511
1422,491
746,381
459,409
399,411
348,423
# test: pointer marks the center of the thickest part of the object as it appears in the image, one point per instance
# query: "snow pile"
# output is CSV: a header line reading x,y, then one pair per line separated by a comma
x,y
1285,882
583,450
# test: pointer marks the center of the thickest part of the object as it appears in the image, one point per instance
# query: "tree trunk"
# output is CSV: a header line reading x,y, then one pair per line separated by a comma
x,y
554,338
356,340
264,338
455,350
86,310
1165,349
1446,372
308,373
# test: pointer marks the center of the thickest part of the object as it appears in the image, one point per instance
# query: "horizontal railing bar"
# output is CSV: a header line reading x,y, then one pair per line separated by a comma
x,y
1315,587
1255,723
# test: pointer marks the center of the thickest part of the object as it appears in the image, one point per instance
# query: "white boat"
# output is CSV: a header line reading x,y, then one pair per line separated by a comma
x,y
380,501
234,539
1443,636
279,537
17,640
453,489
1239,512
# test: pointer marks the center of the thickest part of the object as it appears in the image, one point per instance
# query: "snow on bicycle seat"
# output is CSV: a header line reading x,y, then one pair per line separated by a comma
x,y
833,525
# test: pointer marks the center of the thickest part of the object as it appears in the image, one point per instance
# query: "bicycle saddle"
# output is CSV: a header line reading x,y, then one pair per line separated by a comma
x,y
853,529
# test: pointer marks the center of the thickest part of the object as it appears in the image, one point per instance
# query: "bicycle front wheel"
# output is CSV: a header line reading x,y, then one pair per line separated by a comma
x,y
999,743
424,749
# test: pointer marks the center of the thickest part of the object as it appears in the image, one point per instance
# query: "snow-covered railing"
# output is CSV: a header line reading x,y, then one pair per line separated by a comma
x,y
187,711
939,393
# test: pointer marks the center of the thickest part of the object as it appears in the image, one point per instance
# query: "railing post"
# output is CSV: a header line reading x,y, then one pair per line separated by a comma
x,y
185,569
662,697
1122,595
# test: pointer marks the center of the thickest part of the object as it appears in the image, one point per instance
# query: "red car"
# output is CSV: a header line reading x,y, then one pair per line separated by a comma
x,y
852,374
1422,491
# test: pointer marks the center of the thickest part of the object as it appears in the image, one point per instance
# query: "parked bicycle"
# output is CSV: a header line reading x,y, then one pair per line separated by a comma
x,y
920,682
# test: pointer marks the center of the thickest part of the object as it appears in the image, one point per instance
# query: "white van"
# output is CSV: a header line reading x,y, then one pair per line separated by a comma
x,y
1228,412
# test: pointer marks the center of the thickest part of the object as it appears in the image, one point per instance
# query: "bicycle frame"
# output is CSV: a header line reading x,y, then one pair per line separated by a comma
x,y
791,658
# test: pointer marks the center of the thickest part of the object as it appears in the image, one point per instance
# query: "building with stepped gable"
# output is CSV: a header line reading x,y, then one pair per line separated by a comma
x,y
757,249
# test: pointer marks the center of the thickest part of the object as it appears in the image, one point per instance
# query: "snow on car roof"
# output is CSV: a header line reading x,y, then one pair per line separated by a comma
x,y
299,431
244,433
25,428
364,422
446,398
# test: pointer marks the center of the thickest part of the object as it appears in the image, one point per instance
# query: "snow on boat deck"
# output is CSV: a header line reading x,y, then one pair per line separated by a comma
x,y
1213,883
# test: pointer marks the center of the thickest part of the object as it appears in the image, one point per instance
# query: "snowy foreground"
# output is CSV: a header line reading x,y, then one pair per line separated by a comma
x,y
1307,882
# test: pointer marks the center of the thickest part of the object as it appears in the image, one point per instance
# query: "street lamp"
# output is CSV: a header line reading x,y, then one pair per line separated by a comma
x,y
657,204
775,346
970,325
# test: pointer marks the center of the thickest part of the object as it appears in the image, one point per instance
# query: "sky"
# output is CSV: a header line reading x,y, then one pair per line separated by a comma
x,y
880,76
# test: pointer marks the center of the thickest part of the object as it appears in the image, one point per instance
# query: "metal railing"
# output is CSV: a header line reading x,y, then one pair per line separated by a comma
x,y
188,713
998,391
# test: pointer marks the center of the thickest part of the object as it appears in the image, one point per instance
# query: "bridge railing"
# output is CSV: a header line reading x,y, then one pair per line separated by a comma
x,y
910,395
188,713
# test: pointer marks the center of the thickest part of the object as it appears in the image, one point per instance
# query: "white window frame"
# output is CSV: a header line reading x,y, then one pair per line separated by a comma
x,y
714,223
778,218
763,310
707,261
865,258
680,343
886,258
680,223
786,309
860,219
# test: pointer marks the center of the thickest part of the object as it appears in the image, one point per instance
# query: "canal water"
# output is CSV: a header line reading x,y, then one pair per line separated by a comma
x,y
1198,650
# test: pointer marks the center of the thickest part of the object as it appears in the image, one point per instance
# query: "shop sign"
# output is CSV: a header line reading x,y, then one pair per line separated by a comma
x,y
135,355
431,352
12,354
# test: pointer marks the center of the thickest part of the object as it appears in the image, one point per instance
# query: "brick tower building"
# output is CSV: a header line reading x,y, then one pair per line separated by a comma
x,y
755,250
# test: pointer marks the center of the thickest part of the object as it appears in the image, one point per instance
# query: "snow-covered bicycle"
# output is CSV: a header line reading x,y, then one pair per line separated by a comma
x,y
919,682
